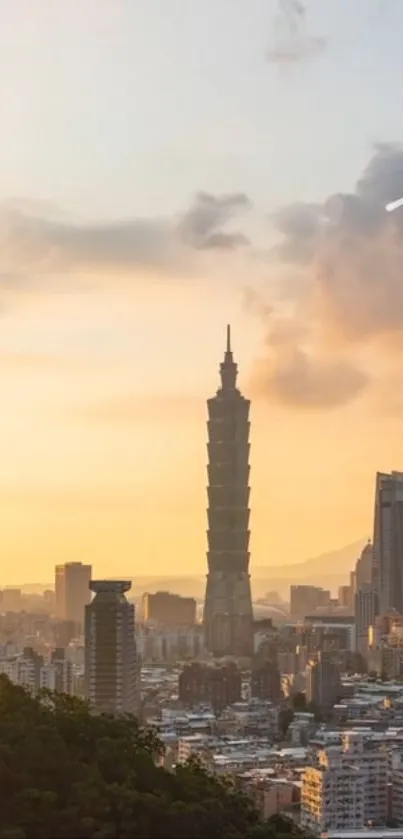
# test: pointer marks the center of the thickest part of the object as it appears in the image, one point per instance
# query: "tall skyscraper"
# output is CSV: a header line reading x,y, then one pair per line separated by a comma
x,y
111,662
387,564
228,616
72,592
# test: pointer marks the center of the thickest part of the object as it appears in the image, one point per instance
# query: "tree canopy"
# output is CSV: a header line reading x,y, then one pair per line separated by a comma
x,y
66,773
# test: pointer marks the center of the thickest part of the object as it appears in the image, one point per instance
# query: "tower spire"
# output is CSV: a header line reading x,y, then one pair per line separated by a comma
x,y
228,368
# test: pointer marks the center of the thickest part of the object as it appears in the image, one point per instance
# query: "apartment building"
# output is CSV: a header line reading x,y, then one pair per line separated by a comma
x,y
347,789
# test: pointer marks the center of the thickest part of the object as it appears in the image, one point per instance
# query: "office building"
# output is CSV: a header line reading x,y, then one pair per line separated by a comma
x,y
11,600
363,568
304,600
212,684
266,681
366,610
346,598
111,662
323,686
265,674
72,591
387,565
228,615
168,610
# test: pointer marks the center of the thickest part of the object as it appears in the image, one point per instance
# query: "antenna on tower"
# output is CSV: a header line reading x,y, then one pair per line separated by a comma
x,y
228,337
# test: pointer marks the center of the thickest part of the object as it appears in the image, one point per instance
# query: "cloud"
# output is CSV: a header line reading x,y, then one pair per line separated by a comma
x,y
291,373
31,241
292,44
348,254
201,226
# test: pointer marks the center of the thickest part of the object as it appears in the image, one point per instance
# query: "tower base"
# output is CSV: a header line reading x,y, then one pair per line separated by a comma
x,y
228,614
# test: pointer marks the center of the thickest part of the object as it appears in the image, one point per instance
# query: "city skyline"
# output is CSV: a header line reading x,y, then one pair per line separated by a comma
x,y
191,190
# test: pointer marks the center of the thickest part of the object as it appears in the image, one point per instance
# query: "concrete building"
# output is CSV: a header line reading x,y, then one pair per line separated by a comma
x,y
218,686
332,795
111,662
228,614
159,645
397,787
348,788
366,610
323,686
387,566
11,600
266,681
31,671
363,568
305,599
168,610
72,591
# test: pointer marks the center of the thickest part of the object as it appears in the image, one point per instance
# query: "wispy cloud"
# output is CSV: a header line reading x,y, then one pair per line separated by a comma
x,y
31,242
292,44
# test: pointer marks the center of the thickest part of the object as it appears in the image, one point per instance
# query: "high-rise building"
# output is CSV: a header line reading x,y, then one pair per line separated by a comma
x,y
387,564
304,599
219,686
323,686
11,600
111,662
363,568
265,680
228,615
72,581
169,610
366,610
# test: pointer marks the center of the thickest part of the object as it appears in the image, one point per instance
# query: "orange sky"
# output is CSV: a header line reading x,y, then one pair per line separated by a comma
x,y
103,440
164,173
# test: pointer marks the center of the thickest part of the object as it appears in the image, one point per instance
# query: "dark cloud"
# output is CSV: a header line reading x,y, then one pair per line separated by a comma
x,y
32,241
291,43
201,225
348,254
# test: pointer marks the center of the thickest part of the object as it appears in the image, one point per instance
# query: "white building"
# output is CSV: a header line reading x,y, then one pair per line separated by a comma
x,y
347,790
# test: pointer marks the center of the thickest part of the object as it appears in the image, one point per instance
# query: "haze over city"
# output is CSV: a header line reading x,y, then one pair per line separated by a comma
x,y
165,172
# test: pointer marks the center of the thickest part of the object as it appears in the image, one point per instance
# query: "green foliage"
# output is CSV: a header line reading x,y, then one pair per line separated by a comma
x,y
68,774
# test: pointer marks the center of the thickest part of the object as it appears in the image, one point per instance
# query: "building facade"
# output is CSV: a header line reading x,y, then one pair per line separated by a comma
x,y
347,789
387,565
111,661
228,616
72,591
323,685
218,686
304,599
366,610
169,610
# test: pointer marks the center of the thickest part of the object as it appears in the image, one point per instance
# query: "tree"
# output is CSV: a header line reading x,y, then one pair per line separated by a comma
x,y
68,774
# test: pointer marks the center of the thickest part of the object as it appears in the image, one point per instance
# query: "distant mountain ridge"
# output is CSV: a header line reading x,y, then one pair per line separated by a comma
x,y
343,559
330,570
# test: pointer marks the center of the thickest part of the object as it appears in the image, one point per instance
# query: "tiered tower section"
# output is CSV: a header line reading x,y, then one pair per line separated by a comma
x,y
228,616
